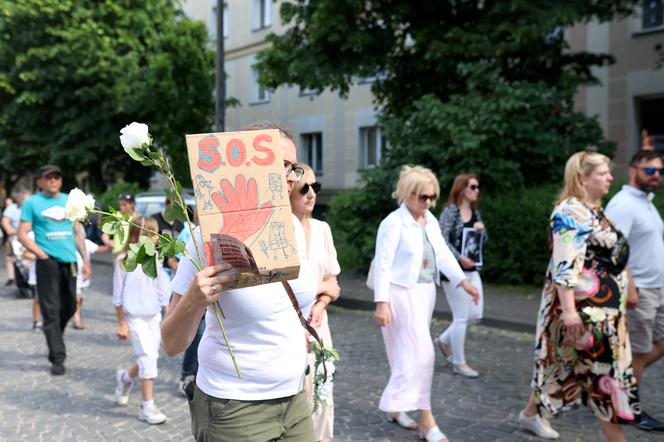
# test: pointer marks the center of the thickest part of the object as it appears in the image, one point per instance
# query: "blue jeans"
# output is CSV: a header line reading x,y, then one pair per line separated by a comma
x,y
190,360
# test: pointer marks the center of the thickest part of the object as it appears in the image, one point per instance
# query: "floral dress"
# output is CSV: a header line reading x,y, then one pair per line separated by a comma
x,y
596,369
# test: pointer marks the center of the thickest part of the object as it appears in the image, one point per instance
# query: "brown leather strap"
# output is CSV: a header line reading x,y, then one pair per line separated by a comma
x,y
304,322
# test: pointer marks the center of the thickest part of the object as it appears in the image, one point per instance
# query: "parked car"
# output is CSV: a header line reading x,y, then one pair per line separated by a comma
x,y
149,203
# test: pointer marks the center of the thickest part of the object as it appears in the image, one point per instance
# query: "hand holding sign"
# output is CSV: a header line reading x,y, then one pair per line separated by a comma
x,y
242,214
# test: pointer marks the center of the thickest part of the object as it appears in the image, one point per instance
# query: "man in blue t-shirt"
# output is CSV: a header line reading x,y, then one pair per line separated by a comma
x,y
55,244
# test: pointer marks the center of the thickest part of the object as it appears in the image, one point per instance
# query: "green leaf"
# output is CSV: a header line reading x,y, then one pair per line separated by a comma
x,y
128,264
108,226
154,155
174,212
147,163
149,265
120,230
170,194
135,154
147,244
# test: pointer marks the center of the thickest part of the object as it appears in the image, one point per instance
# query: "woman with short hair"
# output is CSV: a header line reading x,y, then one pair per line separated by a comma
x,y
410,254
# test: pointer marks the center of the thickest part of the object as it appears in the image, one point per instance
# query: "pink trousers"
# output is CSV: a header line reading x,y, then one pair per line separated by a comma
x,y
409,348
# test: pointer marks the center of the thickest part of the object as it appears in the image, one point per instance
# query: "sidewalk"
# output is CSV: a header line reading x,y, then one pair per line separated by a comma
x,y
514,312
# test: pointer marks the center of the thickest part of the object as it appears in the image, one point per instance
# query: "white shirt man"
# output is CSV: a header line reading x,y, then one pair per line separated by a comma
x,y
633,212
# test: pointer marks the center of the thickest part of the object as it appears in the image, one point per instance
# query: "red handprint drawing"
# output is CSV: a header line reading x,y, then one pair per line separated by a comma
x,y
242,214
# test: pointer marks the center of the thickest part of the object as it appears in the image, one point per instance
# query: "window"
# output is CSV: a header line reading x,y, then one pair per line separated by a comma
x,y
213,20
312,146
652,124
372,147
262,14
652,14
259,93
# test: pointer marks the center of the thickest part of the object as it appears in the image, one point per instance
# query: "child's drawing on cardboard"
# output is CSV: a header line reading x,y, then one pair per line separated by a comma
x,y
244,213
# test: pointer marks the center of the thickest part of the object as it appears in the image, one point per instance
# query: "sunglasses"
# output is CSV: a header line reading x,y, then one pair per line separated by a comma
x,y
290,167
126,197
651,170
474,187
315,186
425,198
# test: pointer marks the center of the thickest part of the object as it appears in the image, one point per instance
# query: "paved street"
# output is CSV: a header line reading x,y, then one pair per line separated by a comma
x,y
35,406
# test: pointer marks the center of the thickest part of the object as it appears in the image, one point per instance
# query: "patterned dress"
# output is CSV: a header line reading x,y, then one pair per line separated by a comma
x,y
596,369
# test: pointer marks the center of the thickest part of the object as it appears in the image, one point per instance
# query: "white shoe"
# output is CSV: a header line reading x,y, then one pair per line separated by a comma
x,y
121,389
152,415
470,373
538,425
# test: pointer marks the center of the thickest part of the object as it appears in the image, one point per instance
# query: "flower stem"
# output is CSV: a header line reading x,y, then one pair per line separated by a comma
x,y
217,310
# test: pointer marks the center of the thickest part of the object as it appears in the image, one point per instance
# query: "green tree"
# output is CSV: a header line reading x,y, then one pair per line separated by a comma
x,y
74,72
481,86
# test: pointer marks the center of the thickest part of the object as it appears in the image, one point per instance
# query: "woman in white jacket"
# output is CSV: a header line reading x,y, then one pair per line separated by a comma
x,y
410,254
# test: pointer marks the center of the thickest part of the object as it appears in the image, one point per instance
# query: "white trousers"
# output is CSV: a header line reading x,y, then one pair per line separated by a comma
x,y
464,311
145,338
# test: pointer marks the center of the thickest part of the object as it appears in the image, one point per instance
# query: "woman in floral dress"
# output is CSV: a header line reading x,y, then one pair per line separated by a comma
x,y
582,353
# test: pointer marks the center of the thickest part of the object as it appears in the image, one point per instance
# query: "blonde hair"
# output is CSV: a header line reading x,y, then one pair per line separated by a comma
x,y
412,179
581,164
308,173
135,232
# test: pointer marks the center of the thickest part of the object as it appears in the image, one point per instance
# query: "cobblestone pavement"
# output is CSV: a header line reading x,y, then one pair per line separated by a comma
x,y
34,406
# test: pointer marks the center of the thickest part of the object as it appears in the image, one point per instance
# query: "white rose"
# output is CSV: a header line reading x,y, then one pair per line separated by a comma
x,y
134,136
78,205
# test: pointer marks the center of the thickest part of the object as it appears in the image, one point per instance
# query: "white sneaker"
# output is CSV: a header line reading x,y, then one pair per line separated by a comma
x,y
538,425
121,389
152,415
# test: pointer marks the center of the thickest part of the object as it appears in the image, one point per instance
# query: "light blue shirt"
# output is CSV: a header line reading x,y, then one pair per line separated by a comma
x,y
54,234
636,216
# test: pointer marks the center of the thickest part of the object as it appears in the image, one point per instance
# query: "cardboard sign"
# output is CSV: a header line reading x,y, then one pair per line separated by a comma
x,y
243,206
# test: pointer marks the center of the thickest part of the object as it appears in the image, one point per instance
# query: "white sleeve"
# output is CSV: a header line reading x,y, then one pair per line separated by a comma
x,y
118,283
387,241
186,269
163,286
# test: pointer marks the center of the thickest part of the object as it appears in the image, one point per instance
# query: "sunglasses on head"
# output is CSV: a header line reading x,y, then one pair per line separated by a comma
x,y
126,197
474,187
424,198
315,186
290,167
651,170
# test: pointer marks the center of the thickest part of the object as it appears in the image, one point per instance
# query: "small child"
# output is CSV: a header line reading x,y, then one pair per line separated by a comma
x,y
139,302
83,284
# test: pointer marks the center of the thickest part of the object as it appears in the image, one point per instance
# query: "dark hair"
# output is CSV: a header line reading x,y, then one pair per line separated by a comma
x,y
644,155
127,197
261,125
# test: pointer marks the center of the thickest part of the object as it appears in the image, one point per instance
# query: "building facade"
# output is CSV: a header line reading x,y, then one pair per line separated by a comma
x,y
629,102
339,137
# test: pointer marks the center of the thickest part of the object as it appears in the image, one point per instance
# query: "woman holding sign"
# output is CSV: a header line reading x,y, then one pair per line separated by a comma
x,y
410,254
323,261
462,227
267,402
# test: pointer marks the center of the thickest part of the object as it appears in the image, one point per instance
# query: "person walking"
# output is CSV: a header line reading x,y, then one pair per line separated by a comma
x,y
55,245
127,206
267,402
460,219
11,218
582,353
139,301
637,218
410,254
323,260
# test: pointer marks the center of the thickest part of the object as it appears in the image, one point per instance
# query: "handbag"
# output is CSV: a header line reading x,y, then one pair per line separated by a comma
x,y
370,275
616,260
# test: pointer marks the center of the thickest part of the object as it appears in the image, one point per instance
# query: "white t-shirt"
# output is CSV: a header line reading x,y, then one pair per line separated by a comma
x,y
263,328
637,218
90,248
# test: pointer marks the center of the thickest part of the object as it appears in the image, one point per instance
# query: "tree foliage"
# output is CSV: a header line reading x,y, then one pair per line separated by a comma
x,y
74,72
485,86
